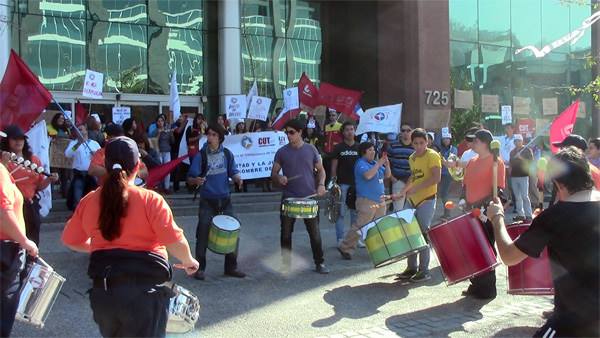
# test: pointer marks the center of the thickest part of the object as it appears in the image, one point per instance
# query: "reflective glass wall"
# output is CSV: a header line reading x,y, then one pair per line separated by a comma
x,y
485,34
136,43
281,39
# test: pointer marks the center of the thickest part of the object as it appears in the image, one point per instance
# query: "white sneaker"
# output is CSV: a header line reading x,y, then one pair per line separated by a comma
x,y
361,244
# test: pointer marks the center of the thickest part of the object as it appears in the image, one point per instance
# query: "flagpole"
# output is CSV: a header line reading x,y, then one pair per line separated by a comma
x,y
536,136
73,124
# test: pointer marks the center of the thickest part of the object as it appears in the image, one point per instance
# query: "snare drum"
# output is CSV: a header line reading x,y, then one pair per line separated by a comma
x,y
300,208
462,248
38,294
393,237
184,311
223,234
532,276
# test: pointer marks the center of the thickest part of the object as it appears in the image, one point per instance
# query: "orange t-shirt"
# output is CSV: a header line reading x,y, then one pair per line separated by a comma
x,y
148,226
27,181
10,199
596,176
479,177
98,161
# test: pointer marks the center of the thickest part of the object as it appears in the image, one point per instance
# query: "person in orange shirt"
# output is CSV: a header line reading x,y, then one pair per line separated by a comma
x,y
13,244
97,168
28,182
128,230
479,185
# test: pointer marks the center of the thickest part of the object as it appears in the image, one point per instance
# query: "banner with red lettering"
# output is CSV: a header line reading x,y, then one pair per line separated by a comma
x,y
22,96
342,100
525,127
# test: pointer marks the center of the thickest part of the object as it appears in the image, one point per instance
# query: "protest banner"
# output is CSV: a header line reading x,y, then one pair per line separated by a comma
x,y
120,114
57,153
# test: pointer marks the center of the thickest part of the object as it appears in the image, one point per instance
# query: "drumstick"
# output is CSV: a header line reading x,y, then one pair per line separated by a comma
x,y
311,196
382,204
294,177
495,148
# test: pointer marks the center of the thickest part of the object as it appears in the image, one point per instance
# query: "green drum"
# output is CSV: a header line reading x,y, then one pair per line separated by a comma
x,y
390,239
300,208
223,234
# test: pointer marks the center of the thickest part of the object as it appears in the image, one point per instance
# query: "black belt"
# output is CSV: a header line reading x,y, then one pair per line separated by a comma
x,y
114,281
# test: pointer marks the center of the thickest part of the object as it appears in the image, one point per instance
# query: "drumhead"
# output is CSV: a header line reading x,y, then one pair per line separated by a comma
x,y
296,200
226,222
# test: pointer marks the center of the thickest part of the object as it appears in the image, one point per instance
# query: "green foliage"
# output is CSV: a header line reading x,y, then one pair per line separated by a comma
x,y
463,119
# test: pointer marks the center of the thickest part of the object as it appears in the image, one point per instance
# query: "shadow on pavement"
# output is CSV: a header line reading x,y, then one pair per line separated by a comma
x,y
519,331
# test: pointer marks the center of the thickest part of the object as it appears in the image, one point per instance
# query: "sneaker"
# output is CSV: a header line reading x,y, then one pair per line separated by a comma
x,y
361,244
518,218
345,255
406,274
285,269
322,269
198,275
528,219
420,276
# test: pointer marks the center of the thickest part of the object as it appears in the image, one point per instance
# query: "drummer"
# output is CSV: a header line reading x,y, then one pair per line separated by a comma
x,y
421,189
369,175
569,229
299,159
128,261
211,172
478,182
13,244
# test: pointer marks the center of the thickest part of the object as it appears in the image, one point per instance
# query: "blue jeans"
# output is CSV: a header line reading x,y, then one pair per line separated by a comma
x,y
78,187
339,222
424,215
205,216
520,187
165,158
443,188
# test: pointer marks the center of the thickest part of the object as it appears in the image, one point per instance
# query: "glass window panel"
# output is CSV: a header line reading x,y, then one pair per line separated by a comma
x,y
176,13
578,15
555,24
494,25
62,8
120,52
121,11
463,20
526,23
463,53
55,50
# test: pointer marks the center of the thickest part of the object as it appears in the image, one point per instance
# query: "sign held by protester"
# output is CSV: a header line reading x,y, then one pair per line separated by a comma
x,y
259,108
93,84
236,107
120,114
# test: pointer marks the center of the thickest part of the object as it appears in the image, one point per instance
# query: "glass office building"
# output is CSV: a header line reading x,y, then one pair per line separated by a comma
x,y
484,38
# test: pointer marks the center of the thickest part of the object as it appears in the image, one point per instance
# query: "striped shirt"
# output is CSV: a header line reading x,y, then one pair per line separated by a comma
x,y
398,153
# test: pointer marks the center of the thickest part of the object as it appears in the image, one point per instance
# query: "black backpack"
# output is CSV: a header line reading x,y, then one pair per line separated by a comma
x,y
228,156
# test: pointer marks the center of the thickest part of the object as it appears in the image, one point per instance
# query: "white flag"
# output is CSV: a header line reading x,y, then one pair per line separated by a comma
x,y
37,137
174,104
253,92
384,120
183,150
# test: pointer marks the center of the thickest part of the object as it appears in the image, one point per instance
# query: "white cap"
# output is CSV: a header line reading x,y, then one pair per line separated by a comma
x,y
432,134
518,137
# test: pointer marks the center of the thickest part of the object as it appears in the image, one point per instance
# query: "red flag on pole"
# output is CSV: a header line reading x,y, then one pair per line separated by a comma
x,y
307,93
562,126
80,114
159,173
22,96
284,116
342,100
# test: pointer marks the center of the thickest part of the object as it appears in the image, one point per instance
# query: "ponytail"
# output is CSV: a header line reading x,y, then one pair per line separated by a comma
x,y
113,203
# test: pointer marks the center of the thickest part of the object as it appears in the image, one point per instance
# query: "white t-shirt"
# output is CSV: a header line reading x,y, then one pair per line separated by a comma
x,y
507,145
467,155
82,157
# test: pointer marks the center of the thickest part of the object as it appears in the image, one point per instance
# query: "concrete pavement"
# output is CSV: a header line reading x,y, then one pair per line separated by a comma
x,y
352,300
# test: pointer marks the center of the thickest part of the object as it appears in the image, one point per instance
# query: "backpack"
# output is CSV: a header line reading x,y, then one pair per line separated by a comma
x,y
228,157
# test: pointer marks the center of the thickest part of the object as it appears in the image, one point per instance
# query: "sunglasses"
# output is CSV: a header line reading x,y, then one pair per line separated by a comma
x,y
406,130
469,139
290,132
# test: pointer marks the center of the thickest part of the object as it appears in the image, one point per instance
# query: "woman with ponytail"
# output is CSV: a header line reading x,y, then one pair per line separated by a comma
x,y
128,230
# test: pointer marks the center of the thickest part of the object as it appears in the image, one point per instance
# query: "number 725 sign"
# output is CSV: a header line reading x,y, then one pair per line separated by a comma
x,y
437,98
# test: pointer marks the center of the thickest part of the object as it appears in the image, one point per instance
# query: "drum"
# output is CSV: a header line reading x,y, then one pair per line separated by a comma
x,y
462,248
184,311
38,294
300,208
391,238
223,234
532,276
140,182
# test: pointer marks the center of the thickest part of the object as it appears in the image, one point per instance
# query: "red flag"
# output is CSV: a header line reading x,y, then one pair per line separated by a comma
x,y
22,96
80,114
342,100
562,126
307,93
284,116
159,173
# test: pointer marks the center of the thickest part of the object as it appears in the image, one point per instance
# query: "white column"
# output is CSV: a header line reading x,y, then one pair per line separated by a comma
x,y
5,35
230,50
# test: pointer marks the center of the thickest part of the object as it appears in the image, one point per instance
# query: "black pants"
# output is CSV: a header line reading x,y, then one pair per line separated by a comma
x,y
33,221
210,208
130,311
12,262
312,227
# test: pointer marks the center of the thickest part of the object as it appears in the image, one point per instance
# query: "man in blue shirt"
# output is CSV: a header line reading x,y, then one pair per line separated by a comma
x,y
398,152
211,171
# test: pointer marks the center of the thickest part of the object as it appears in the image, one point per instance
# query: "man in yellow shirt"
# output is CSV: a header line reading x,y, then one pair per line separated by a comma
x,y
421,190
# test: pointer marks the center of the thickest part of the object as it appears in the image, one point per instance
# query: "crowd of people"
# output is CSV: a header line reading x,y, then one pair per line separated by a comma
x,y
129,258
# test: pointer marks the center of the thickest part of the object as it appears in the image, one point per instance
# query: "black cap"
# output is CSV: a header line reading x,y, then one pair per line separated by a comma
x,y
482,134
572,140
14,130
114,130
123,151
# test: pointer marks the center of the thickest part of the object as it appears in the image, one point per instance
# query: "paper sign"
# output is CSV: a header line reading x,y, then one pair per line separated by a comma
x,y
550,106
489,103
97,117
259,108
463,99
290,98
120,114
236,106
57,153
540,124
436,119
93,84
69,114
506,115
446,133
581,110
521,105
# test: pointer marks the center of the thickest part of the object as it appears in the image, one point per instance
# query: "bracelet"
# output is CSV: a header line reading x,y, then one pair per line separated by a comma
x,y
498,214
